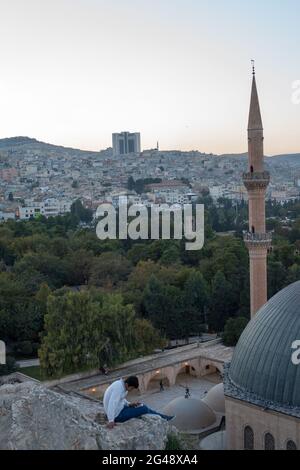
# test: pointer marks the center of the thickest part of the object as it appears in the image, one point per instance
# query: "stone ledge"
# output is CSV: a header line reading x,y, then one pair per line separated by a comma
x,y
32,417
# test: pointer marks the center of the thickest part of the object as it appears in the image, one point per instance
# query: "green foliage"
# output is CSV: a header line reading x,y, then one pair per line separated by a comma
x,y
173,442
165,286
220,302
233,329
109,269
9,367
139,185
35,372
82,329
163,305
195,297
130,183
80,212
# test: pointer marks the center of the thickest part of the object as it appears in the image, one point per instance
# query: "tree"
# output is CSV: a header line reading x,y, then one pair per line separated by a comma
x,y
109,269
130,183
6,253
220,303
80,212
9,367
233,329
147,337
85,331
50,268
195,301
171,255
137,281
163,306
277,275
293,274
79,267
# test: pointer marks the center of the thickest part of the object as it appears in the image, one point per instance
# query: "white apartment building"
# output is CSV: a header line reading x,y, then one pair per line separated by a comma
x,y
6,216
49,207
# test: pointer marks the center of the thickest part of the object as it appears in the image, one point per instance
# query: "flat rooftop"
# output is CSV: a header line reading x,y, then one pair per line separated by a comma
x,y
216,352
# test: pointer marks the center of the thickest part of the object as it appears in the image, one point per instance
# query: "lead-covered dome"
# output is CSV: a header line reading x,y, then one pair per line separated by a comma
x,y
262,361
215,398
191,414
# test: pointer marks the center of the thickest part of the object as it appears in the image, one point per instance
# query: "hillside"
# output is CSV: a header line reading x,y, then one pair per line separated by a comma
x,y
18,145
26,145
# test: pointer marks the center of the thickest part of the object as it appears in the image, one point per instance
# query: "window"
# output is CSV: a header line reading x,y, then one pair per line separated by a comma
x,y
130,146
121,147
269,442
290,445
248,438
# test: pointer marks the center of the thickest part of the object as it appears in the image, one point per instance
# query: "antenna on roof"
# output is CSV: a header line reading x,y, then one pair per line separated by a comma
x,y
253,67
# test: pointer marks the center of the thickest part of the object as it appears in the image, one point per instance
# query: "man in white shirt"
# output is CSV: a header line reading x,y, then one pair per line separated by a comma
x,y
118,409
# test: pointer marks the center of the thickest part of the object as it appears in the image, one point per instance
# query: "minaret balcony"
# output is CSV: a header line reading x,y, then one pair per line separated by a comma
x,y
256,180
258,240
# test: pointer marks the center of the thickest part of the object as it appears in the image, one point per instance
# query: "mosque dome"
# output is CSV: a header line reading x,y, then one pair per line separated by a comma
x,y
262,361
215,399
215,441
192,414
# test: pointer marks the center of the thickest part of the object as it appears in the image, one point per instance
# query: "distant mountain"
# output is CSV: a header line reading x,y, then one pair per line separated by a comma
x,y
235,155
16,141
16,145
293,159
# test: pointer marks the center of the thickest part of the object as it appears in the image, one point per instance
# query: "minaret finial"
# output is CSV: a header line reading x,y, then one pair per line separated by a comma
x,y
253,67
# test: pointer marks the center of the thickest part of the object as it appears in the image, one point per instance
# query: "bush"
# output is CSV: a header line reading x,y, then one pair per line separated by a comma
x,y
233,329
173,443
24,348
9,367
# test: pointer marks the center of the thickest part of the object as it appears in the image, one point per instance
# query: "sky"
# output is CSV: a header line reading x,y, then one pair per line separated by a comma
x,y
72,72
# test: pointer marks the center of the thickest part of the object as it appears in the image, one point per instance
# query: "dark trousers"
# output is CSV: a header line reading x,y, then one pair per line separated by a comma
x,y
129,412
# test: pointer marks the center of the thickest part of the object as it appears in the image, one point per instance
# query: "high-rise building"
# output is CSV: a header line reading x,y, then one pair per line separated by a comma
x,y
126,142
256,180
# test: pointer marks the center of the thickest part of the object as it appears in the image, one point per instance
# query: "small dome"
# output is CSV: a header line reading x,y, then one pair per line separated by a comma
x,y
215,398
215,441
262,361
191,414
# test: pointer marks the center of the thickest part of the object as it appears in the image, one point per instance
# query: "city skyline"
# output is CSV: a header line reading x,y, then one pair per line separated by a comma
x,y
75,72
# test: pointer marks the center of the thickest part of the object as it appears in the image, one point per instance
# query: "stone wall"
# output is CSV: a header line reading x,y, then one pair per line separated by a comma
x,y
33,417
240,414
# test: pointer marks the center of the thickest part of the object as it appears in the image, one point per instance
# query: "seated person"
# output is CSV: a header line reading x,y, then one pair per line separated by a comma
x,y
118,409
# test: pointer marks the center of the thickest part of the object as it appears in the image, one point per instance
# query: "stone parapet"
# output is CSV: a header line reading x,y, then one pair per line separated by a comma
x,y
256,180
258,240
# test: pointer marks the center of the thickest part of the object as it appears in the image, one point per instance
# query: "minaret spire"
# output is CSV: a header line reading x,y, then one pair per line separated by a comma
x,y
256,181
255,120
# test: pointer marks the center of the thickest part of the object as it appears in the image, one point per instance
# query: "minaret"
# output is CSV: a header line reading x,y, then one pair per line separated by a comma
x,y
256,181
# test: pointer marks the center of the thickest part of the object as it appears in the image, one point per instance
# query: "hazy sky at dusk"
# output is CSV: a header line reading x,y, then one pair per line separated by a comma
x,y
74,71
